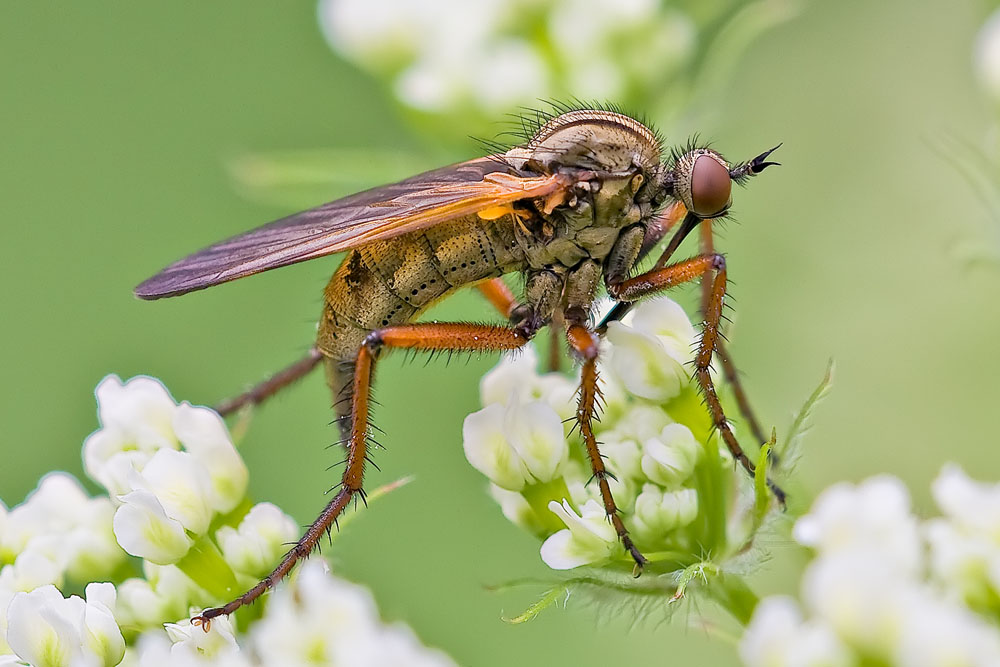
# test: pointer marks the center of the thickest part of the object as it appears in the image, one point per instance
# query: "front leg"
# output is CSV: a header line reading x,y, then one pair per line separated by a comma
x,y
662,279
585,343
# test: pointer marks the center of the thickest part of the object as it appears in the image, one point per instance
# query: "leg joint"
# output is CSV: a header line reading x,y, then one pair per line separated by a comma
x,y
373,341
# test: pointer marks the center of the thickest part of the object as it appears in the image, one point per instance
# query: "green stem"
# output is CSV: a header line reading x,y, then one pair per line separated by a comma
x,y
205,566
732,594
539,496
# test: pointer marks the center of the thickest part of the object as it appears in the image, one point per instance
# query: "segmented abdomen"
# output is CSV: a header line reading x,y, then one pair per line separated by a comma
x,y
391,282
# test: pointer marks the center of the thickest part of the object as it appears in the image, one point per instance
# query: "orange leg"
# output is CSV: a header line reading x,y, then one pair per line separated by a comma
x,y
272,385
658,280
728,367
428,336
586,343
668,220
497,293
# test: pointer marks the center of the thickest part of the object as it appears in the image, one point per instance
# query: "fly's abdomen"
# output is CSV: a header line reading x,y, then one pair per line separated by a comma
x,y
391,282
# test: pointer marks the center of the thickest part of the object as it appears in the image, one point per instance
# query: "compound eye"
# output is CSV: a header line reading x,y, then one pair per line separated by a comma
x,y
711,187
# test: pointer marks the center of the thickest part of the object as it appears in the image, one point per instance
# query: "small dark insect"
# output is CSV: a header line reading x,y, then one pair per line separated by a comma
x,y
586,196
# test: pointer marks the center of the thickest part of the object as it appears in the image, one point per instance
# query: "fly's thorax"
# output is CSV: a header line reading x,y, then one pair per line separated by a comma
x,y
600,140
588,224
616,161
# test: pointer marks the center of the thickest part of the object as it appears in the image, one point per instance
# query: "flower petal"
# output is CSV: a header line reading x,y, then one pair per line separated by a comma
x,y
143,529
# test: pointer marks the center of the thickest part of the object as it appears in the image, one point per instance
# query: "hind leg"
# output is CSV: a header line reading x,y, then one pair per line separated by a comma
x,y
430,336
272,385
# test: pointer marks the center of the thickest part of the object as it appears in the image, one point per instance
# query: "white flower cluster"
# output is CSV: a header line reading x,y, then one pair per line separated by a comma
x,y
493,55
177,500
316,619
170,468
654,434
886,588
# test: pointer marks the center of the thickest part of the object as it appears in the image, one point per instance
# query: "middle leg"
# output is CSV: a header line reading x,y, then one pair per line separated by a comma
x,y
586,344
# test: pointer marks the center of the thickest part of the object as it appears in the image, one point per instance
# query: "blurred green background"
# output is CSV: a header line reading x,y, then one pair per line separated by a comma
x,y
118,120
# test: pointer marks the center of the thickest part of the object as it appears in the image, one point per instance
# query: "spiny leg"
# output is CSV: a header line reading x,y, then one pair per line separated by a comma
x,y
586,344
662,279
272,385
728,367
430,336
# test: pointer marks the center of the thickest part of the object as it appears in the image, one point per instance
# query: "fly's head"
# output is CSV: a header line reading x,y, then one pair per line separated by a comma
x,y
703,181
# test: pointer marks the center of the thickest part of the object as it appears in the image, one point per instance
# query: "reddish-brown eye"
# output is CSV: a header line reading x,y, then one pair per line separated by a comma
x,y
711,187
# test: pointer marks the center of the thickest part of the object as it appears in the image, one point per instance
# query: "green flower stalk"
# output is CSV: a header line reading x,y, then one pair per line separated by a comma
x,y
689,509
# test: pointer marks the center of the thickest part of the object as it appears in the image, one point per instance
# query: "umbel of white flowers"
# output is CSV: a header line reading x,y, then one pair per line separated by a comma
x,y
885,588
677,488
489,55
177,503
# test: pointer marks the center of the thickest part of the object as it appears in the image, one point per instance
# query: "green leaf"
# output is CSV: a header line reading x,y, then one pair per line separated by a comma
x,y
547,600
640,597
789,454
205,565
761,494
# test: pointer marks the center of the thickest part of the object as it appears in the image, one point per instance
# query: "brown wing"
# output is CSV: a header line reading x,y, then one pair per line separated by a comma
x,y
381,213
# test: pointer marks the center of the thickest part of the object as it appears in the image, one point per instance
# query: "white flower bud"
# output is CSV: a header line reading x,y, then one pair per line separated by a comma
x,y
658,512
670,458
143,529
191,641
136,420
60,526
874,515
56,505
319,619
165,593
182,487
46,629
965,544
204,436
516,445
588,538
516,380
864,597
34,567
777,636
260,540
650,350
972,506
939,632
514,507
986,57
